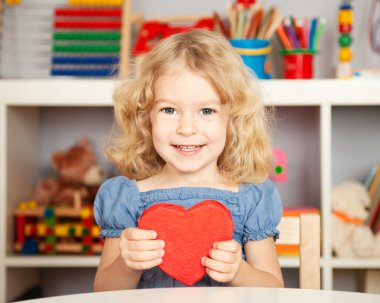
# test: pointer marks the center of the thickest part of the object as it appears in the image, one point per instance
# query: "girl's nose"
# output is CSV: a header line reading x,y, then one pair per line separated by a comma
x,y
186,125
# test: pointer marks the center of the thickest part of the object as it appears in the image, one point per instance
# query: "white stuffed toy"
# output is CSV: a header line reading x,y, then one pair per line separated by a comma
x,y
350,236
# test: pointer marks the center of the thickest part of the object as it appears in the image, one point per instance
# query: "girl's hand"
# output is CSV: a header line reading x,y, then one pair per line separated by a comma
x,y
139,249
224,260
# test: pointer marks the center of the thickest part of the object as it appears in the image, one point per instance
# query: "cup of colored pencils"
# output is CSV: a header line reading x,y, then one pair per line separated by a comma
x,y
300,39
249,28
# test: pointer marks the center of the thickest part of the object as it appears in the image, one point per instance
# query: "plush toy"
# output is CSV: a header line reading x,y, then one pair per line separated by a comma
x,y
351,237
77,170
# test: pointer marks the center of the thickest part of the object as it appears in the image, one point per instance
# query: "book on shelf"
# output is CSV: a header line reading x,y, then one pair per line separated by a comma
x,y
374,216
288,244
374,195
374,183
374,222
371,175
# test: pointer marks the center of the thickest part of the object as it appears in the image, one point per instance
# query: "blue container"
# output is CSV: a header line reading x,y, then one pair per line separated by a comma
x,y
254,54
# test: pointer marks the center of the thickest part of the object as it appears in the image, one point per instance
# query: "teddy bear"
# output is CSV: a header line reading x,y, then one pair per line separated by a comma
x,y
78,172
351,237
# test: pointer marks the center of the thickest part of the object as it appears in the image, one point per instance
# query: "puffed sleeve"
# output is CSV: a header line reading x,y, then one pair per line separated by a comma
x,y
114,207
264,214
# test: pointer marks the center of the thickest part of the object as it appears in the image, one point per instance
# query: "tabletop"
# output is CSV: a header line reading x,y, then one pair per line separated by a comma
x,y
215,295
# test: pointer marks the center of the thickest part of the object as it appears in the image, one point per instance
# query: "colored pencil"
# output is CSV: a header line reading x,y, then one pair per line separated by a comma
x,y
241,17
291,33
313,28
276,21
300,34
264,23
318,33
304,34
251,22
306,29
283,37
256,21
251,12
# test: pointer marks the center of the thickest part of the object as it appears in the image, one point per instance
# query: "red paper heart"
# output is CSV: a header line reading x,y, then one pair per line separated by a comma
x,y
189,234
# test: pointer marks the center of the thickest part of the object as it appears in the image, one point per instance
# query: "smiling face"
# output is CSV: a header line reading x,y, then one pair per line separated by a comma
x,y
189,123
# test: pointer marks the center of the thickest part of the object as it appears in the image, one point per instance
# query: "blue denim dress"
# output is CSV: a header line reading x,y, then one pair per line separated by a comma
x,y
256,210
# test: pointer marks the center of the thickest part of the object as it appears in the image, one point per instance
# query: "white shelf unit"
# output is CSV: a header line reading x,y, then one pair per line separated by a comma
x,y
40,116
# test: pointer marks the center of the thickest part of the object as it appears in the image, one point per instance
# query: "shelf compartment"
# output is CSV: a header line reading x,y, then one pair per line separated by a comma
x,y
355,144
34,133
297,133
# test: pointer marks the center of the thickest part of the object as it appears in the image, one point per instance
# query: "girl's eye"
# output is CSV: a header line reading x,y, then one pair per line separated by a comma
x,y
208,111
168,110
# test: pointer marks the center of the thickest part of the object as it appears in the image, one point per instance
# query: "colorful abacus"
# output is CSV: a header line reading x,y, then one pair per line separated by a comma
x,y
53,230
345,21
86,41
50,238
87,222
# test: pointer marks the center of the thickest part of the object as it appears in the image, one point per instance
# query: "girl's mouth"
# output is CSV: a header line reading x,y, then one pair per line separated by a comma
x,y
188,148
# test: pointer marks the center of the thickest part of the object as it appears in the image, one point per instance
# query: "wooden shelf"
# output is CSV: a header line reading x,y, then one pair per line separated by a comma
x,y
79,92
356,263
51,261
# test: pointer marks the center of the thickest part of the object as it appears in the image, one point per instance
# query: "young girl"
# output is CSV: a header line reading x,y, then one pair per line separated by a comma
x,y
192,127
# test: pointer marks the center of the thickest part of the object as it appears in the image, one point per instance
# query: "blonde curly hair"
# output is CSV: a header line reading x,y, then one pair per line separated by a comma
x,y
247,155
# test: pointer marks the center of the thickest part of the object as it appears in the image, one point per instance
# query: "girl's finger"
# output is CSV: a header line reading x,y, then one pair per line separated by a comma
x,y
143,265
231,246
145,245
222,255
144,256
139,234
216,265
218,276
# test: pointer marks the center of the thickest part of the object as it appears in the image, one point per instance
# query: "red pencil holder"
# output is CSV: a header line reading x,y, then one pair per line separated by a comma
x,y
298,63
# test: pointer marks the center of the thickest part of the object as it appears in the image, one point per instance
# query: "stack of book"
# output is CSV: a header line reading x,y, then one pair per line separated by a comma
x,y
288,227
372,184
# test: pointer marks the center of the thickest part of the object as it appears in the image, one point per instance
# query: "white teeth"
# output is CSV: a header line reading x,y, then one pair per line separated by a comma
x,y
188,147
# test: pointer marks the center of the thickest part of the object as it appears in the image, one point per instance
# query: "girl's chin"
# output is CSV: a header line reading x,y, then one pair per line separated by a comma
x,y
191,168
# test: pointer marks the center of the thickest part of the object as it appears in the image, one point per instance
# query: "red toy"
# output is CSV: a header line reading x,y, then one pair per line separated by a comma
x,y
189,234
152,31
